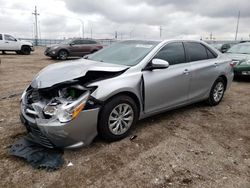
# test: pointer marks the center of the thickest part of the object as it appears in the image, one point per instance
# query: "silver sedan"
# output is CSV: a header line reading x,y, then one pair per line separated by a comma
x,y
67,104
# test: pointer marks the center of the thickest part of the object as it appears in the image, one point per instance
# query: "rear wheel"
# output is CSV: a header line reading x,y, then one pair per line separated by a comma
x,y
63,54
25,50
117,118
217,92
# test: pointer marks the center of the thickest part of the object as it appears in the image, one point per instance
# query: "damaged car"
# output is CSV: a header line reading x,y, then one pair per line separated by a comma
x,y
68,104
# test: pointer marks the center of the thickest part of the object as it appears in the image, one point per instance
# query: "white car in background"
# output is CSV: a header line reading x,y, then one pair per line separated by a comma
x,y
10,43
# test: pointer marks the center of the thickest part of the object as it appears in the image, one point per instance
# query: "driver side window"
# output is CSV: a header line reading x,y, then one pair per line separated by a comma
x,y
9,38
173,53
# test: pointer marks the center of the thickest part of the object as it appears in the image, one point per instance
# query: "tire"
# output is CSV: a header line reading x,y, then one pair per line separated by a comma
x,y
217,92
107,128
25,50
63,54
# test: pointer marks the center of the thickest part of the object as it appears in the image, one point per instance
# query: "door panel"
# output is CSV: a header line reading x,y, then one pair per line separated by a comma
x,y
166,88
10,43
203,74
203,69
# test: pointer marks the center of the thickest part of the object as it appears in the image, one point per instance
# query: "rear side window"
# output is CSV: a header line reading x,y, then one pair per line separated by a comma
x,y
196,51
173,53
1,37
210,55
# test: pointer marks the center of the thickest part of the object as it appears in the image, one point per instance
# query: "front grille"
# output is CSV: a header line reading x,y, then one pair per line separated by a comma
x,y
47,49
35,95
43,140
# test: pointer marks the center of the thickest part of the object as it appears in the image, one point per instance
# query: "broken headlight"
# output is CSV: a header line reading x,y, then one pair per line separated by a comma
x,y
67,109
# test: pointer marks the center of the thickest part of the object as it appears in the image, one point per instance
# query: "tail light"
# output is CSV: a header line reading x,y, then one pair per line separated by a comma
x,y
233,63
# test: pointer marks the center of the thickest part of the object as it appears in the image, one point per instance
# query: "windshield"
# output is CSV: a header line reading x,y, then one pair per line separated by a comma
x,y
217,46
243,48
124,53
67,41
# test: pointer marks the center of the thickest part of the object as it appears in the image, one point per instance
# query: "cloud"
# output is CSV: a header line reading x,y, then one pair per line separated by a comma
x,y
130,18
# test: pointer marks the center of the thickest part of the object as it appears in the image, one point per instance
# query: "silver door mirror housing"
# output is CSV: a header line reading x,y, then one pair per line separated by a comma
x,y
159,64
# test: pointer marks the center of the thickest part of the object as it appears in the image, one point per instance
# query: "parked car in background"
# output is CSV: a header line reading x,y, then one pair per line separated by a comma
x,y
72,47
68,104
240,55
10,43
222,47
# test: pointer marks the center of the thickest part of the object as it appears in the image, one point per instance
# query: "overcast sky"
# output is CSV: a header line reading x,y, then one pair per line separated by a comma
x,y
130,18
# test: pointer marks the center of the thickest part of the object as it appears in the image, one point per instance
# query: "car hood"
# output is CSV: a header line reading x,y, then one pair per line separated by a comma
x,y
52,45
25,42
70,70
238,57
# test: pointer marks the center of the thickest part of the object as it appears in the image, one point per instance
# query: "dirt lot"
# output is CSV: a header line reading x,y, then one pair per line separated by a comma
x,y
196,146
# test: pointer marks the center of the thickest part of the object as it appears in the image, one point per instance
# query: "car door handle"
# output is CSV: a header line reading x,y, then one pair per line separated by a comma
x,y
216,64
186,71
6,42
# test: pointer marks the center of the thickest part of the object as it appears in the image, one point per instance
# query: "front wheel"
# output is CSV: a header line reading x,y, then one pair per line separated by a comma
x,y
63,54
217,92
117,118
25,50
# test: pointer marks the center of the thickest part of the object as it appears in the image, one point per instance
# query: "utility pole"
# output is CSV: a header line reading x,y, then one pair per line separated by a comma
x,y
237,27
36,28
82,23
160,31
211,36
116,34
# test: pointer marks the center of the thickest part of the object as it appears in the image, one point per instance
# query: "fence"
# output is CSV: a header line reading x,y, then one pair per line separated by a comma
x,y
45,42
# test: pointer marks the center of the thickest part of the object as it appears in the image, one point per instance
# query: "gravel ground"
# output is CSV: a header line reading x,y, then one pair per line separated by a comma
x,y
195,146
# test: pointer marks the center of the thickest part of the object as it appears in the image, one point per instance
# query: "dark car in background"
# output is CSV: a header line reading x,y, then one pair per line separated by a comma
x,y
72,48
222,47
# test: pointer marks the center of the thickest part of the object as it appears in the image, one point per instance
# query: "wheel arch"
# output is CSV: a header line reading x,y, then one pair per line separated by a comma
x,y
127,93
225,80
63,49
25,45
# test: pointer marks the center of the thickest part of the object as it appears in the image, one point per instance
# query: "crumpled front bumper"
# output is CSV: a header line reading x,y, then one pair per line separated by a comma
x,y
51,133
51,53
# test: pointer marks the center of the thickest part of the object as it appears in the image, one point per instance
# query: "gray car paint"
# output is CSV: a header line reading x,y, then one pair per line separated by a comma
x,y
62,72
156,91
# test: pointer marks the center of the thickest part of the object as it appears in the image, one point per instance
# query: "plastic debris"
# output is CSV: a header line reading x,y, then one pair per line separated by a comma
x,y
36,155
70,164
133,137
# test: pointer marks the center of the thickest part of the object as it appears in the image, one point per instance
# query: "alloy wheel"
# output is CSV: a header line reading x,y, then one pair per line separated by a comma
x,y
121,119
218,91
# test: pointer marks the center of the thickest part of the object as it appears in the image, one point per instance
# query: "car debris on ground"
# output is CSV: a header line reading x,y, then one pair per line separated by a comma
x,y
38,156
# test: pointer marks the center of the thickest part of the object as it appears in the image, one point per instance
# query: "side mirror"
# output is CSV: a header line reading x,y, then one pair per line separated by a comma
x,y
158,64
72,44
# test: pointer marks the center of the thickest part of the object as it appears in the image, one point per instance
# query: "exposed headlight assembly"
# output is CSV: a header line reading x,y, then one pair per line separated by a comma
x,y
65,110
